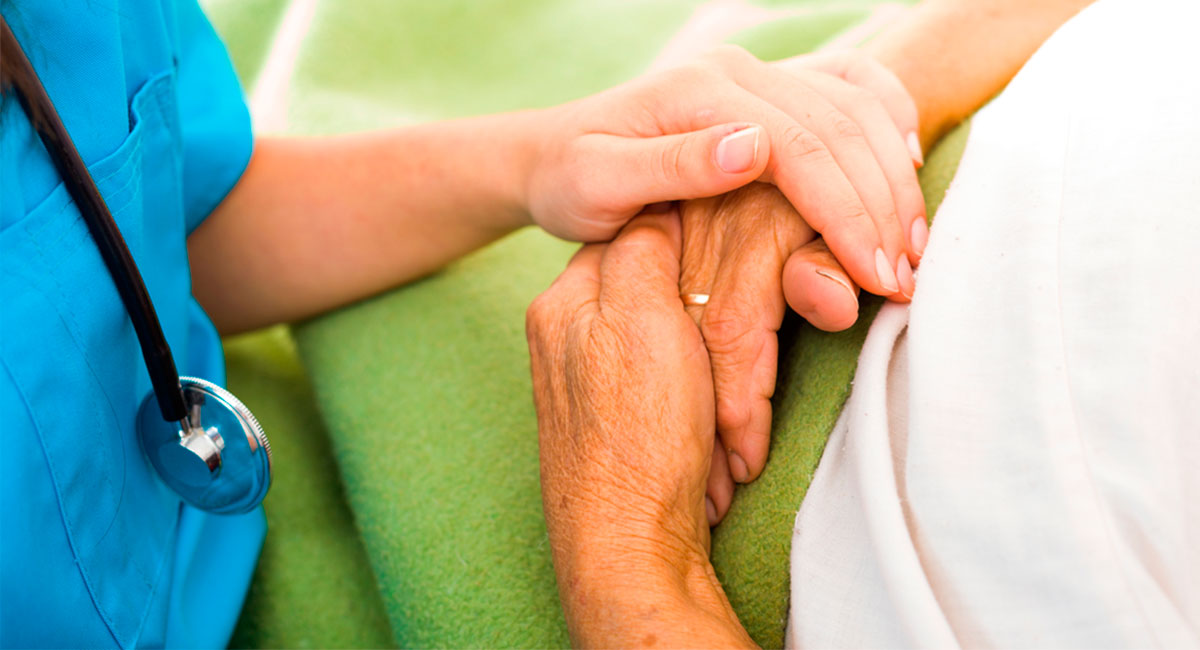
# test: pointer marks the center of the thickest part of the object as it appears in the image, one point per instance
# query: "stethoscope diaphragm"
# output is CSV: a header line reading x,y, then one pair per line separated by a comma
x,y
217,458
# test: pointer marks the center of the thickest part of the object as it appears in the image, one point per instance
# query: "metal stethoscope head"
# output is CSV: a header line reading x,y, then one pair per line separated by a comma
x,y
203,442
217,458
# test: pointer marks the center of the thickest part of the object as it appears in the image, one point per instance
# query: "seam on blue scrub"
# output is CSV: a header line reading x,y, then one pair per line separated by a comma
x,y
87,583
171,120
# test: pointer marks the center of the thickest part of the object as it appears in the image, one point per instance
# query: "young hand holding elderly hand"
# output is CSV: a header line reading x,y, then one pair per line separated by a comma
x,y
640,396
837,135
750,252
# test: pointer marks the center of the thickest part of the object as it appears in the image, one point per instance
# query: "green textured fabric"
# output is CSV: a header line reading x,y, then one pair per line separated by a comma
x,y
425,391
430,408
313,587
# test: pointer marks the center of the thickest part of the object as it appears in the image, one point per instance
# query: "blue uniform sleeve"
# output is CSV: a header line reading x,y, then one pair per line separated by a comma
x,y
214,119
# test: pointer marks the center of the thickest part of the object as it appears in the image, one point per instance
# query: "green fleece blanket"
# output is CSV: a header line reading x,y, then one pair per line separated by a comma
x,y
413,516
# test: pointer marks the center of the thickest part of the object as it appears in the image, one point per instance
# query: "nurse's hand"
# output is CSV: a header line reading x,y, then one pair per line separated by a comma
x,y
827,142
624,401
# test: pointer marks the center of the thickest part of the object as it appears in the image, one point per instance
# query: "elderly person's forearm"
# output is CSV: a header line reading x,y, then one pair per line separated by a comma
x,y
666,595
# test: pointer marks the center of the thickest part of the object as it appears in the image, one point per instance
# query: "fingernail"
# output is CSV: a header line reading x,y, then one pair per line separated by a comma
x,y
905,276
738,151
710,509
920,235
737,467
914,147
850,290
883,268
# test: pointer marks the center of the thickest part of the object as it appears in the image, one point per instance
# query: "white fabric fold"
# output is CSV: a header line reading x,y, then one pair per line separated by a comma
x,y
1019,462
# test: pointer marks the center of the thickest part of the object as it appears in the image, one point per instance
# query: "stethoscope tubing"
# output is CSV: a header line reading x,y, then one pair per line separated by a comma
x,y
17,71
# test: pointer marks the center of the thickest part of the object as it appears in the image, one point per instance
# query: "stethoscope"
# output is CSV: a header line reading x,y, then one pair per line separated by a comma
x,y
202,441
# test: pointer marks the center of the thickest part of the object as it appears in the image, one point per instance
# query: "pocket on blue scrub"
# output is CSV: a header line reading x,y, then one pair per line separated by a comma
x,y
72,353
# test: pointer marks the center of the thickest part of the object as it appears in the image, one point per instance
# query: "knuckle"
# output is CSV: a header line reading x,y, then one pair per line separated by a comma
x,y
843,127
799,142
725,332
671,161
855,59
753,203
643,242
858,66
863,99
730,54
701,75
855,221
725,59
539,314
891,221
733,415
890,231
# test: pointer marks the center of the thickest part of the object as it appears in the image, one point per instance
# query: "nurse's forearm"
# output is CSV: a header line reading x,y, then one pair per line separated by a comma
x,y
955,55
316,223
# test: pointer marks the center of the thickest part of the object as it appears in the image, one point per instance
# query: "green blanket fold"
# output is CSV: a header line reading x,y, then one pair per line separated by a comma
x,y
425,392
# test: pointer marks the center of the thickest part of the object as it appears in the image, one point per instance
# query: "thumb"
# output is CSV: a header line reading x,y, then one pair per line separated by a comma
x,y
818,288
640,171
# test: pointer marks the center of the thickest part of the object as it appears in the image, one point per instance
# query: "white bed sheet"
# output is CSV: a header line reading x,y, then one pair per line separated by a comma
x,y
1019,462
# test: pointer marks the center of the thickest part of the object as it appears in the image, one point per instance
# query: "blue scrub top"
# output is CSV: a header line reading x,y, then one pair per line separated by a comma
x,y
96,551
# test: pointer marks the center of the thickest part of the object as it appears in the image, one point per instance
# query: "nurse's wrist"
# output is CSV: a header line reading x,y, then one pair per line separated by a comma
x,y
526,136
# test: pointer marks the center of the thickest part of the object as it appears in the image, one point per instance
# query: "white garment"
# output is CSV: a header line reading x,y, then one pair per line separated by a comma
x,y
1019,463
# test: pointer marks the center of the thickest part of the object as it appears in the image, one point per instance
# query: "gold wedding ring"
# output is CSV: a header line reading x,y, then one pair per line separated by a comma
x,y
690,299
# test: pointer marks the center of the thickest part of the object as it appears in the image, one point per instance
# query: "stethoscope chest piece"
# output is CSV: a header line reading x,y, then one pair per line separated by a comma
x,y
217,458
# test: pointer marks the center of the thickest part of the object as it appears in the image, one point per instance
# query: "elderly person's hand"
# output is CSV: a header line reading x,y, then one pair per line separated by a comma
x,y
624,400
750,249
